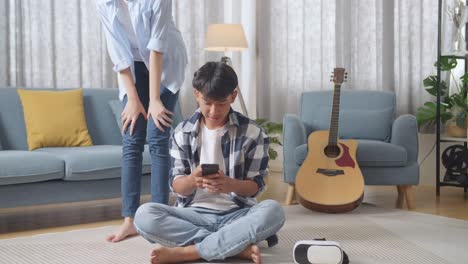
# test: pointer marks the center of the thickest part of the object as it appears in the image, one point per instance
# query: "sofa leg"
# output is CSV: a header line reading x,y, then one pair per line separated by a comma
x,y
401,197
290,194
405,193
409,197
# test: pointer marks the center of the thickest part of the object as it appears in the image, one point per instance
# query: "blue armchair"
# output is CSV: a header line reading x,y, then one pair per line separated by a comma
x,y
387,148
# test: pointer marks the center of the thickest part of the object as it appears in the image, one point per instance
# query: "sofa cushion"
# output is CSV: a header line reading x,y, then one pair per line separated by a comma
x,y
58,120
117,108
18,166
94,162
370,153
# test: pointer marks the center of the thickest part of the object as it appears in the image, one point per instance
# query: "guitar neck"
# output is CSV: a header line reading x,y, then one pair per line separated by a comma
x,y
335,116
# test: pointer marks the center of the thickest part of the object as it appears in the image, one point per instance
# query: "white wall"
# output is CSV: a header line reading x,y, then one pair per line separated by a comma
x,y
427,168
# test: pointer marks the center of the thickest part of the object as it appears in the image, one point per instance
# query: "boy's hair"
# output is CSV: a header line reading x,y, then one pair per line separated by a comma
x,y
215,80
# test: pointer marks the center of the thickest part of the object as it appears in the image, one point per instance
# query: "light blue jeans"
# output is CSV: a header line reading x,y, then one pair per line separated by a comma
x,y
215,236
133,147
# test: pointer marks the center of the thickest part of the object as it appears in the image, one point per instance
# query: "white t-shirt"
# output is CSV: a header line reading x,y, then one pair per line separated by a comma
x,y
211,153
123,15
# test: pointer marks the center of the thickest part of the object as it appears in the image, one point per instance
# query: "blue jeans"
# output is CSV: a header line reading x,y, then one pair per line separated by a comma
x,y
215,236
133,147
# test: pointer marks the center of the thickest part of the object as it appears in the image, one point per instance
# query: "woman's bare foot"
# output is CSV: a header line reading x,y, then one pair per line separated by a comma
x,y
162,255
127,229
251,252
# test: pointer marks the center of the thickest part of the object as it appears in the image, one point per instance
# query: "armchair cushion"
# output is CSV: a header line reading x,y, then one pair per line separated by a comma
x,y
370,153
360,123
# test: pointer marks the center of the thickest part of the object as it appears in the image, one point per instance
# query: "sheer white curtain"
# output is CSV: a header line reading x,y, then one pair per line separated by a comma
x,y
50,43
192,19
415,51
384,45
293,47
47,43
296,52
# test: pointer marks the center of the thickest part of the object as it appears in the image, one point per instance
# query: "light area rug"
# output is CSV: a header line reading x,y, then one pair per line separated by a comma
x,y
369,235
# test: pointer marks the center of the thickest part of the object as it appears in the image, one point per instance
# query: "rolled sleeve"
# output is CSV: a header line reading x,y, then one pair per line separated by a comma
x,y
157,45
256,163
179,161
176,193
122,65
159,21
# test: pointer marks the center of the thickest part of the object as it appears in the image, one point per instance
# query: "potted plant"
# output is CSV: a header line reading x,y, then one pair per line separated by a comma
x,y
274,131
453,107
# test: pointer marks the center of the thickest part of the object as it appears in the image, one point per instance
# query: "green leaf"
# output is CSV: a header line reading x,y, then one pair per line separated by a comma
x,y
427,114
464,80
272,154
274,128
431,83
461,119
260,121
275,140
447,63
458,100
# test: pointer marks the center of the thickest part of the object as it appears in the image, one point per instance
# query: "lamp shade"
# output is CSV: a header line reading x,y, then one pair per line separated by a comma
x,y
225,37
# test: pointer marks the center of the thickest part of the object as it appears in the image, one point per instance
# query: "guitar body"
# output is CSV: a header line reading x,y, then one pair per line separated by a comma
x,y
330,184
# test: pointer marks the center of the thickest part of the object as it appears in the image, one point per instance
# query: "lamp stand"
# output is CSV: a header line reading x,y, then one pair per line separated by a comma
x,y
227,60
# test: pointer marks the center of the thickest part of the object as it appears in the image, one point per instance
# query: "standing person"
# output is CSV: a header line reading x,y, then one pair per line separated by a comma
x,y
149,56
217,215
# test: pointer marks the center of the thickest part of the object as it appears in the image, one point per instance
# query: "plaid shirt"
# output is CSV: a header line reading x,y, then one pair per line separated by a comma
x,y
244,147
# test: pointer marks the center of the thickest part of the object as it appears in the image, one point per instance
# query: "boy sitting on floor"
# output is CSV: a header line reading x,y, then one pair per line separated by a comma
x,y
217,215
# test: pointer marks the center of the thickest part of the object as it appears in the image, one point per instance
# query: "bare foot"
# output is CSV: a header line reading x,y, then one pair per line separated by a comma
x,y
162,255
127,229
251,252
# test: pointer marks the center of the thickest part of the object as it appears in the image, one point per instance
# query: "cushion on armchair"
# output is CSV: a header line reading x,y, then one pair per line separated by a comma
x,y
370,153
360,124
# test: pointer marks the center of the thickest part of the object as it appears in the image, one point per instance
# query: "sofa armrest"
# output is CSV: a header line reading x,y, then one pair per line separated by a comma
x,y
405,134
294,135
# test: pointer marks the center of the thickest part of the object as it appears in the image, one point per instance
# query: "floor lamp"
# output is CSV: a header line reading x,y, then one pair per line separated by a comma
x,y
227,37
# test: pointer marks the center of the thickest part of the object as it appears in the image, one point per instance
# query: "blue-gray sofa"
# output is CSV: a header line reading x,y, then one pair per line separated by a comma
x,y
55,175
387,147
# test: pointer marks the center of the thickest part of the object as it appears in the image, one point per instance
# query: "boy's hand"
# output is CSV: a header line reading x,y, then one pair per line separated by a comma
x,y
197,176
218,183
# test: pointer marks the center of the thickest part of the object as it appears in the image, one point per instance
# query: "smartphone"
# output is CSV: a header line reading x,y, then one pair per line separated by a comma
x,y
208,169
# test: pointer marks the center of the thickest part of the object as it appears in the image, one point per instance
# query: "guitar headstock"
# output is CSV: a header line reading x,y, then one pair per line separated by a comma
x,y
339,75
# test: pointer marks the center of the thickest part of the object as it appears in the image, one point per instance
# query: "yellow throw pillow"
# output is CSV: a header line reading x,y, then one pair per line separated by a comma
x,y
54,118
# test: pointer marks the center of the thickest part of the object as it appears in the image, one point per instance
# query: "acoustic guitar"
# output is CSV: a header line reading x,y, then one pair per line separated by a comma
x,y
330,179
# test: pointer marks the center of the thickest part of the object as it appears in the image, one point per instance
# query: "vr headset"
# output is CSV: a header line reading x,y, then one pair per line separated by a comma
x,y
319,251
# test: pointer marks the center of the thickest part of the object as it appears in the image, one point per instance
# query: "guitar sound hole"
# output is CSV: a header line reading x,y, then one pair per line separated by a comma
x,y
332,151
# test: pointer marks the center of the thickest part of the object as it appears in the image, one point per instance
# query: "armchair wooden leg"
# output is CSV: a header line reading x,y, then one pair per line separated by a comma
x,y
405,193
409,197
290,194
401,197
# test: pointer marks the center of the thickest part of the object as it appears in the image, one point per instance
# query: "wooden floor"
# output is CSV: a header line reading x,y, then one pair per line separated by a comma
x,y
26,221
